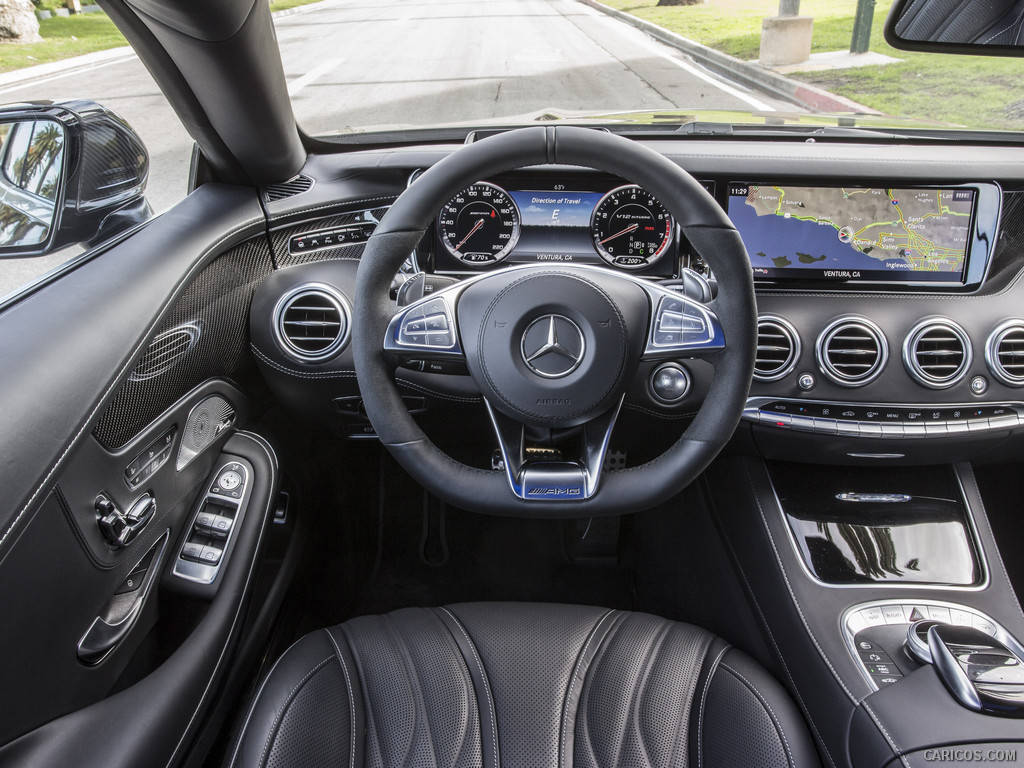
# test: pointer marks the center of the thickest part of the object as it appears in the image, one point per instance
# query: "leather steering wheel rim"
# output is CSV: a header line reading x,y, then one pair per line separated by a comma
x,y
707,230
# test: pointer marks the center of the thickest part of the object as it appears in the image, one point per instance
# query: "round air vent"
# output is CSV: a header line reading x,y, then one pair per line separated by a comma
x,y
852,351
311,322
937,353
778,348
1004,353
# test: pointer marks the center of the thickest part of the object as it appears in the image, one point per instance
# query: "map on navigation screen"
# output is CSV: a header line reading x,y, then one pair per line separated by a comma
x,y
854,233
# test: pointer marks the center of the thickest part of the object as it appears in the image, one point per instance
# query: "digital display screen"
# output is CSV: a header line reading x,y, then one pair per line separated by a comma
x,y
871,234
555,226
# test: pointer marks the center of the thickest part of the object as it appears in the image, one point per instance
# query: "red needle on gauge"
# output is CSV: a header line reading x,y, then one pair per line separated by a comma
x,y
631,228
479,223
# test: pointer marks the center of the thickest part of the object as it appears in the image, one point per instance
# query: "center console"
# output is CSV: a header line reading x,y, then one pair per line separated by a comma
x,y
842,565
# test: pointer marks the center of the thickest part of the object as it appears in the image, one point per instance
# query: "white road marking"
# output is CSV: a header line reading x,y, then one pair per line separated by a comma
x,y
71,72
296,85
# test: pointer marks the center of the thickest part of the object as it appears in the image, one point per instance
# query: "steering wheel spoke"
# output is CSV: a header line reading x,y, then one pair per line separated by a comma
x,y
680,327
426,328
546,480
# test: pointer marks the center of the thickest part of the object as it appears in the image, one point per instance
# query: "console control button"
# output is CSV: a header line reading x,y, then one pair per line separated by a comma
x,y
883,680
893,614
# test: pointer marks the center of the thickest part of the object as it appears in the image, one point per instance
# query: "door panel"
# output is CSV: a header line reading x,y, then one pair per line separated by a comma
x,y
105,374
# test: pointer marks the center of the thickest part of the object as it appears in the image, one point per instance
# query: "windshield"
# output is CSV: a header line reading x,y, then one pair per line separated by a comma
x,y
369,66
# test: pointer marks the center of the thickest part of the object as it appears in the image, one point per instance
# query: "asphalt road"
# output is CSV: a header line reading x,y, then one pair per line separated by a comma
x,y
377,63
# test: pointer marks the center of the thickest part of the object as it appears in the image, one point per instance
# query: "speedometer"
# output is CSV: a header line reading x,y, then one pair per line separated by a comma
x,y
630,228
480,225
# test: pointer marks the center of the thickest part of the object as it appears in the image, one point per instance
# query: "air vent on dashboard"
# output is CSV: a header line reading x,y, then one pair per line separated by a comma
x,y
937,353
311,322
1004,353
778,348
852,351
289,188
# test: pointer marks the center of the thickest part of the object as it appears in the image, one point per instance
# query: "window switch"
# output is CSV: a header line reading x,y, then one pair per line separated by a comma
x,y
210,555
192,551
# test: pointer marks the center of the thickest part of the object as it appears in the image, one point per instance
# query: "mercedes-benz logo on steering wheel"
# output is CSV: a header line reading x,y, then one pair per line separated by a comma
x,y
553,346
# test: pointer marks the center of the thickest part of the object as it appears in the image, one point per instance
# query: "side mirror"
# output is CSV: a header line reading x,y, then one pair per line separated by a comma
x,y
70,172
974,27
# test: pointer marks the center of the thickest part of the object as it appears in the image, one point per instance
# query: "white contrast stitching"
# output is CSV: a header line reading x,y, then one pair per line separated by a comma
x,y
703,699
572,685
483,677
351,701
767,706
285,704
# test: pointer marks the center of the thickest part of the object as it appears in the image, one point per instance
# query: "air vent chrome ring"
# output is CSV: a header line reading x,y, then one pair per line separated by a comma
x,y
316,329
851,363
766,367
948,365
1007,365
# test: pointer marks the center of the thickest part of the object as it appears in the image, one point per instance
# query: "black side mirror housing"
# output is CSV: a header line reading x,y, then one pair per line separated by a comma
x,y
70,172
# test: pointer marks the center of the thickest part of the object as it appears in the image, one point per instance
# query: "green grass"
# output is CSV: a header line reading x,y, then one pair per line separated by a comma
x,y
976,91
63,37
67,36
282,5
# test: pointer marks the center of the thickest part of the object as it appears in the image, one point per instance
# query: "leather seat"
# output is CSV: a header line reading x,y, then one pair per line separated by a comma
x,y
519,684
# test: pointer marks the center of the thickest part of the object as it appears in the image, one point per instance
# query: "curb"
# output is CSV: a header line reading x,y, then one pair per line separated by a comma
x,y
744,72
89,60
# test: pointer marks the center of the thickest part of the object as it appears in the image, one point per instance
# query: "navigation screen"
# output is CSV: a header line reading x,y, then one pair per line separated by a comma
x,y
854,233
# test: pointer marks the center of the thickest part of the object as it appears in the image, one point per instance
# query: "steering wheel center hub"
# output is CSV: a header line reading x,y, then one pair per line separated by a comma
x,y
552,348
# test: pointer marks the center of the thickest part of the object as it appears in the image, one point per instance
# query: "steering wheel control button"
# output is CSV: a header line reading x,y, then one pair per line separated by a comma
x,y
427,325
553,346
670,383
679,324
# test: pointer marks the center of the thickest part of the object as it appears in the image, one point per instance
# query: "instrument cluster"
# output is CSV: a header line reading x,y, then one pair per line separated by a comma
x,y
576,218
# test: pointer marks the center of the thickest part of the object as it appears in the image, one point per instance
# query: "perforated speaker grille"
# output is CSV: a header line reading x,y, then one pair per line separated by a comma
x,y
218,302
204,423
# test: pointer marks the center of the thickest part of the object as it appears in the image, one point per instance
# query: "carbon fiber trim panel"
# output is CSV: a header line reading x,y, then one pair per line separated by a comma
x,y
217,302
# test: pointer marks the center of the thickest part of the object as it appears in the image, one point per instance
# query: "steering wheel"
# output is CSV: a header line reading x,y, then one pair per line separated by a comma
x,y
555,346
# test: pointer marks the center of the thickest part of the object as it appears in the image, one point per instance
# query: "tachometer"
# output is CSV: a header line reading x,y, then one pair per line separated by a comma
x,y
480,225
630,228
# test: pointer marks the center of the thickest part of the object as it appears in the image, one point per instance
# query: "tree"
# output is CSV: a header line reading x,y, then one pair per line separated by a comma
x,y
18,22
680,2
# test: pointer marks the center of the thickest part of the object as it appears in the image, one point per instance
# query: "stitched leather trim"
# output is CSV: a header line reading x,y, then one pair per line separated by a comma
x,y
567,729
481,686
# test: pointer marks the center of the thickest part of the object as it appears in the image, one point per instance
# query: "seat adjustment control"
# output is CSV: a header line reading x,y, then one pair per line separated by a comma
x,y
120,528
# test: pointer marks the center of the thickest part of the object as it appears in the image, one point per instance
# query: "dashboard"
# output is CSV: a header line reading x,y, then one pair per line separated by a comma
x,y
887,281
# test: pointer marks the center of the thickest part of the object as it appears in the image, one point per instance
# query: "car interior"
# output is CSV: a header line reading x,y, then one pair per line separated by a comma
x,y
527,446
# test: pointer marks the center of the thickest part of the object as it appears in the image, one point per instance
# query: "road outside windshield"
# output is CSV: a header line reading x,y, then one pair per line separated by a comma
x,y
354,66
